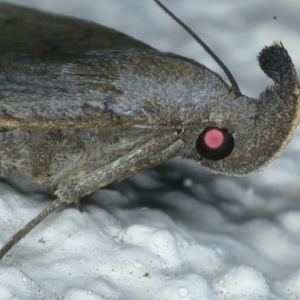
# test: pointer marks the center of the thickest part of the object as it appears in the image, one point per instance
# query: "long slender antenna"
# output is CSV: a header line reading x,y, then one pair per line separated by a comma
x,y
28,227
206,48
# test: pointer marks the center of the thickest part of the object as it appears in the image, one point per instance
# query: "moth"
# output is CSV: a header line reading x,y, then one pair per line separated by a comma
x,y
82,105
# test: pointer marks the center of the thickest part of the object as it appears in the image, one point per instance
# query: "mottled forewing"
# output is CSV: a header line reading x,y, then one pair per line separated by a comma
x,y
32,32
34,48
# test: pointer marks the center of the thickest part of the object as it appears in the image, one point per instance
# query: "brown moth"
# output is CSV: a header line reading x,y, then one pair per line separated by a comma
x,y
82,105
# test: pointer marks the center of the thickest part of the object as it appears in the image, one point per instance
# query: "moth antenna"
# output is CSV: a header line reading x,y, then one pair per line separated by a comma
x,y
206,48
28,227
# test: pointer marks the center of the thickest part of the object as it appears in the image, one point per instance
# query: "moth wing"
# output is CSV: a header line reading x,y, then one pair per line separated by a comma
x,y
33,45
33,32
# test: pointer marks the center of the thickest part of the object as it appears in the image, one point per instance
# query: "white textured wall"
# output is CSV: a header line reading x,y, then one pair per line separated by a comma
x,y
177,232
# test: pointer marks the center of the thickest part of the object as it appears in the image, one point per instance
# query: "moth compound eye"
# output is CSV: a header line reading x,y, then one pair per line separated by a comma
x,y
215,143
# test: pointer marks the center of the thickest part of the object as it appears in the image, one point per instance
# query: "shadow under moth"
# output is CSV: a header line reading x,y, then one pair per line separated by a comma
x,y
82,105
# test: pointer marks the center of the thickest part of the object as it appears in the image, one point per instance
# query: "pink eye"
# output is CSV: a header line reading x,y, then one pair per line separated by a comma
x,y
215,143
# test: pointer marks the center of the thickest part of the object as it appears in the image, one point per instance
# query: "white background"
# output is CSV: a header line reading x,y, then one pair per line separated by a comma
x,y
177,232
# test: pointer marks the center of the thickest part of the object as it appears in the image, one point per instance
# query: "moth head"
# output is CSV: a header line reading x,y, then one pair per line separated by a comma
x,y
247,134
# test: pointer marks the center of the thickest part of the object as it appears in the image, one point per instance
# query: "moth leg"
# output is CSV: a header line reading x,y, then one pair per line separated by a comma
x,y
147,163
153,160
146,156
123,170
28,227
